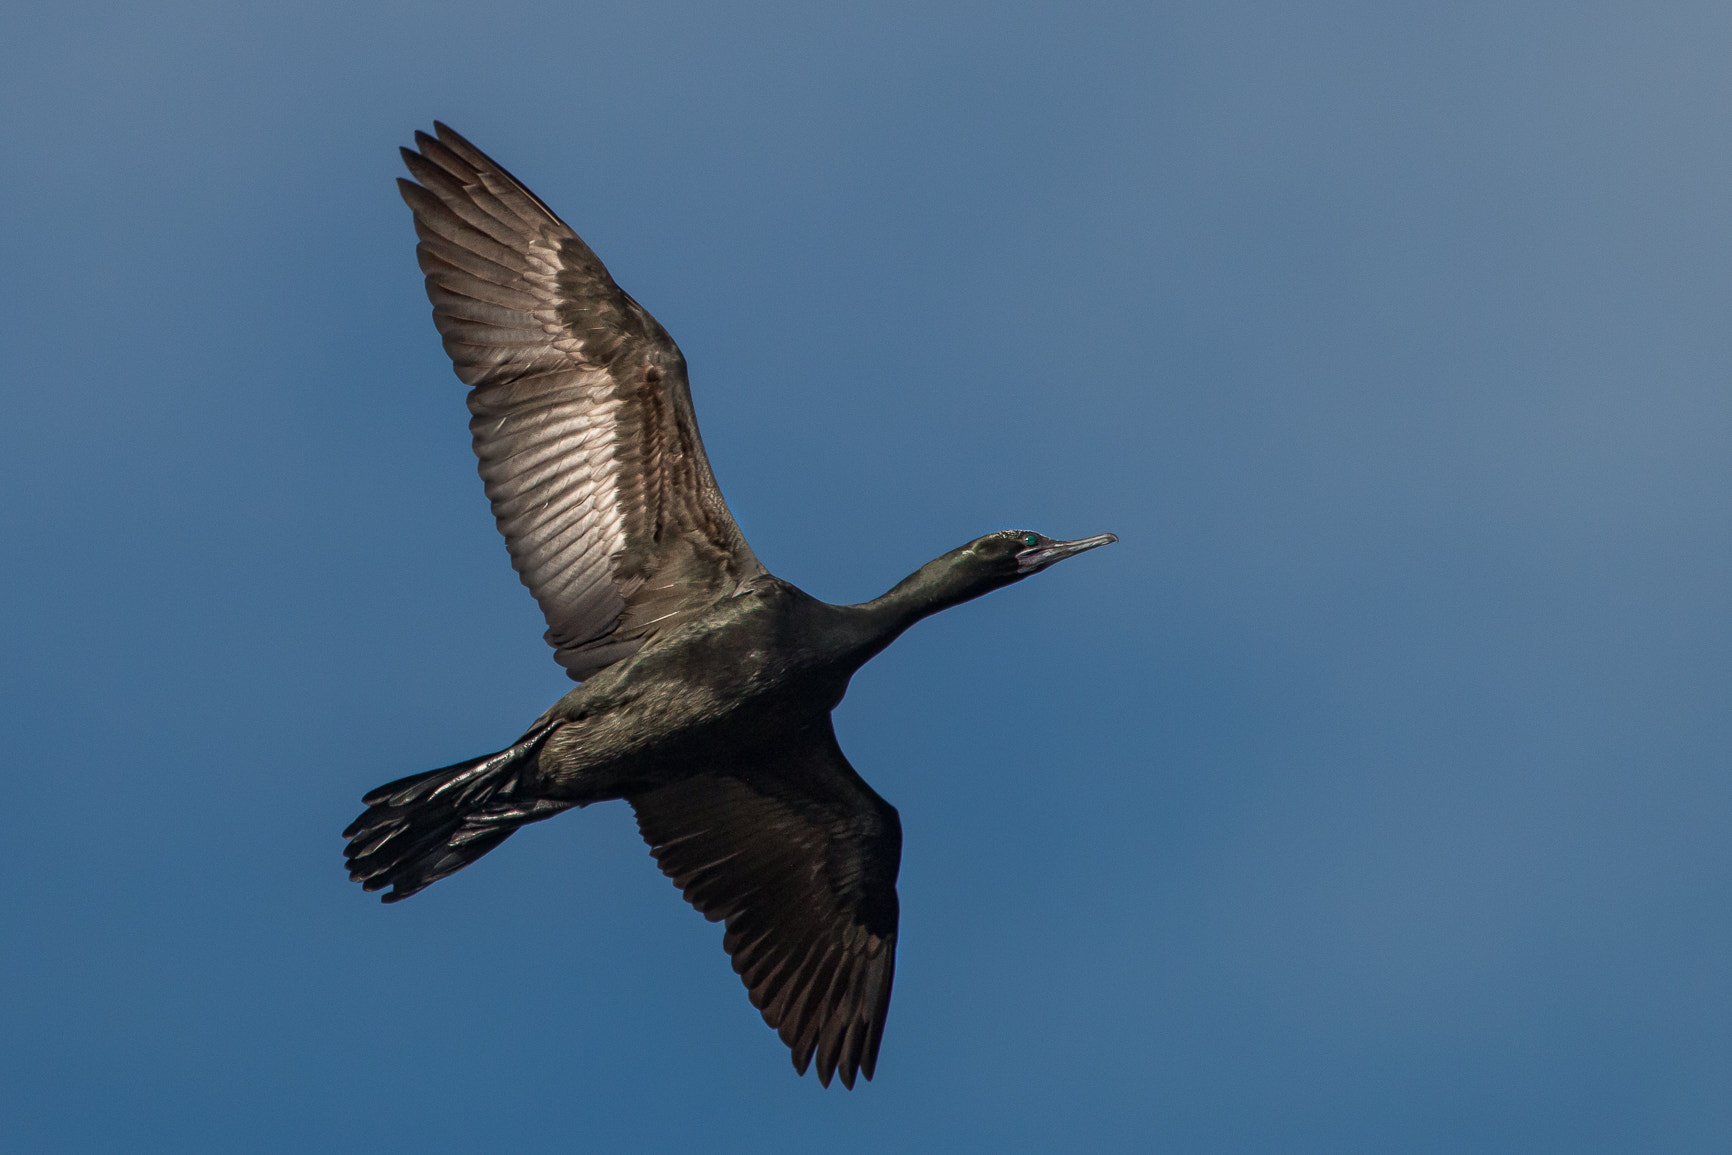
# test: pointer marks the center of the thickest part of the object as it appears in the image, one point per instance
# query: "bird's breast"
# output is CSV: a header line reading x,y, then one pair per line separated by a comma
x,y
754,667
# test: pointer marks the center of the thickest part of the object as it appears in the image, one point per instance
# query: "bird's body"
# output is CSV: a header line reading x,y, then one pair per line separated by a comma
x,y
760,661
707,683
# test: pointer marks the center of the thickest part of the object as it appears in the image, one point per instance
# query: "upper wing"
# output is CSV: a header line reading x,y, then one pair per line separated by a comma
x,y
582,416
799,857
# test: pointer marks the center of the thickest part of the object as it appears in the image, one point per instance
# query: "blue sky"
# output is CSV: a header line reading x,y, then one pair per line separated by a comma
x,y
1371,794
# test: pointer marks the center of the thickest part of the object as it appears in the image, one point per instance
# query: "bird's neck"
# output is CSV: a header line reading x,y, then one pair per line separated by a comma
x,y
937,585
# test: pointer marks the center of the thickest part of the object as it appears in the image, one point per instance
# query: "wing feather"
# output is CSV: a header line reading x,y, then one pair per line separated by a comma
x,y
581,415
798,857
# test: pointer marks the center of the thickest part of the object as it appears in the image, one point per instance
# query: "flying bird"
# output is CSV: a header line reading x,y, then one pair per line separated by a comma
x,y
706,682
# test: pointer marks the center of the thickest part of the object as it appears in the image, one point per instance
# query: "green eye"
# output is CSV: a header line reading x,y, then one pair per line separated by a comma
x,y
1031,539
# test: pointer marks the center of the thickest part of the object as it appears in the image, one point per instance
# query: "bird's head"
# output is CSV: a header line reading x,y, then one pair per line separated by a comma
x,y
998,559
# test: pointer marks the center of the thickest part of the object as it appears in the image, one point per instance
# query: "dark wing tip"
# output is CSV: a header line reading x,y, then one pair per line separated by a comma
x,y
457,142
450,142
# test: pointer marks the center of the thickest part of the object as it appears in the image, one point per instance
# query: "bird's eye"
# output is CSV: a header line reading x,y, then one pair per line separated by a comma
x,y
1031,539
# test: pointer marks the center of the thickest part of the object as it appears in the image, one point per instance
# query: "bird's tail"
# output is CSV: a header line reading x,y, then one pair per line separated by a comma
x,y
417,830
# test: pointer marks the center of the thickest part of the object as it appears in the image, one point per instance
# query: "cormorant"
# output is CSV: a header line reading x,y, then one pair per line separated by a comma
x,y
707,682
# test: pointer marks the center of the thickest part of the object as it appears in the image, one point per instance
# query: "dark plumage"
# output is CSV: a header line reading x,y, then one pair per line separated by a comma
x,y
707,683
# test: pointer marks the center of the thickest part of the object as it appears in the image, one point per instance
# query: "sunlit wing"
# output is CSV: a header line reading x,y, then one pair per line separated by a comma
x,y
583,418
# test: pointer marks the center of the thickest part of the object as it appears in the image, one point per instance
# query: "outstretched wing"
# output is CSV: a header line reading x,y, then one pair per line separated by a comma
x,y
582,420
798,856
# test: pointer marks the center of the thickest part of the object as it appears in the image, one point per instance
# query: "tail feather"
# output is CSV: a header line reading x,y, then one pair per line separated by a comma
x,y
419,829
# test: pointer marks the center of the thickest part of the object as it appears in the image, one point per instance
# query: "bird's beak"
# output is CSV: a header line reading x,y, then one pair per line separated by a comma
x,y
1036,559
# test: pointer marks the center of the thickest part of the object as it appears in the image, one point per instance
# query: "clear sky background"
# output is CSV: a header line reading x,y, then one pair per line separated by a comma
x,y
1371,795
